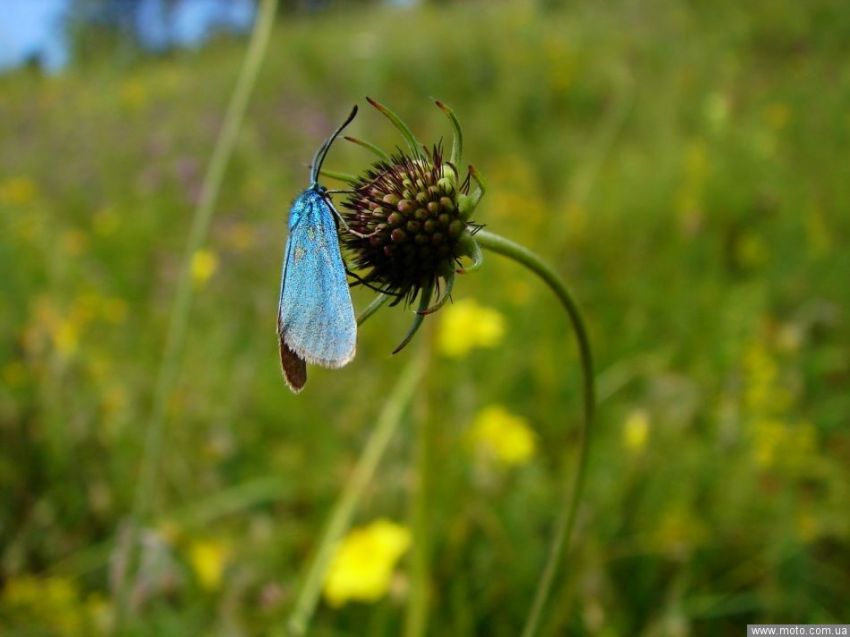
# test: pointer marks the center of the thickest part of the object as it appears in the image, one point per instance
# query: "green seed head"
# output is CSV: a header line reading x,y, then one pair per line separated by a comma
x,y
406,218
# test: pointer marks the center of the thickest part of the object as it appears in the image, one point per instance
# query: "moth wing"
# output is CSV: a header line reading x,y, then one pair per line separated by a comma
x,y
316,320
294,368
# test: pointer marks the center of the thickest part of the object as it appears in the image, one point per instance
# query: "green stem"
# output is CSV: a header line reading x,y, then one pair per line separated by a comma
x,y
420,514
343,511
179,319
565,522
376,304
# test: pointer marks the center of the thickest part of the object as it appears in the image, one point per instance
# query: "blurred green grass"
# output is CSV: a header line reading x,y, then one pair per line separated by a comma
x,y
683,164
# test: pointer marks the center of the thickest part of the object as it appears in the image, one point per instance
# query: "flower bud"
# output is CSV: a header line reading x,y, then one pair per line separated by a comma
x,y
418,212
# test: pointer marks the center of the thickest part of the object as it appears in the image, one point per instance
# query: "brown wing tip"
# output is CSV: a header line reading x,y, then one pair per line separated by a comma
x,y
294,368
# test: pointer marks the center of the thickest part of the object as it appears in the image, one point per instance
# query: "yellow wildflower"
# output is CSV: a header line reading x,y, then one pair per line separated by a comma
x,y
29,590
18,191
465,325
760,379
204,265
779,444
66,337
101,613
45,605
363,564
636,430
208,559
503,436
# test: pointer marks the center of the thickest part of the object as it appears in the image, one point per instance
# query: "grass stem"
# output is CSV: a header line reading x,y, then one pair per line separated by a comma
x,y
179,318
416,620
343,511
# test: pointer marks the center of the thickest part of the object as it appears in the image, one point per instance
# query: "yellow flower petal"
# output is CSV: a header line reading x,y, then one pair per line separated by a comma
x,y
66,337
362,567
204,265
18,191
503,436
636,430
465,325
208,559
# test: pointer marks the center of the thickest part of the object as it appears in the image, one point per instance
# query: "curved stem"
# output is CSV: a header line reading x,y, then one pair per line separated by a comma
x,y
566,519
179,319
343,511
376,304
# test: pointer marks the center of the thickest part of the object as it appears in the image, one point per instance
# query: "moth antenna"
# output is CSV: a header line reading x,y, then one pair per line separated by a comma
x,y
319,157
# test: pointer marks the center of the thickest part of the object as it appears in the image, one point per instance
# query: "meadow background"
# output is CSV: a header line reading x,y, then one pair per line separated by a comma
x,y
682,164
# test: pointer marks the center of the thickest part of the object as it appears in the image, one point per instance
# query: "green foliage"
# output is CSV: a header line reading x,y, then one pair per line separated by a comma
x,y
683,165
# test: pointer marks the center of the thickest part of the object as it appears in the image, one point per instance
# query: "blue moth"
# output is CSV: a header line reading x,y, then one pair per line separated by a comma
x,y
315,316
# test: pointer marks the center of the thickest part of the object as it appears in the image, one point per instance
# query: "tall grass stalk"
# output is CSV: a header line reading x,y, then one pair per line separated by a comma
x,y
361,476
416,620
179,319
565,522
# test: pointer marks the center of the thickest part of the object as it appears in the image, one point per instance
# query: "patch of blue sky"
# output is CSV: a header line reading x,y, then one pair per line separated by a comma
x,y
33,31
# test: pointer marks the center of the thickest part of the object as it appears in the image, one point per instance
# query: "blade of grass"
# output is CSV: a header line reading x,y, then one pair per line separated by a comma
x,y
179,318
361,476
421,511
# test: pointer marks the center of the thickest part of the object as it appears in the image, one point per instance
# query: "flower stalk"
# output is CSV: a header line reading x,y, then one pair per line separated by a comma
x,y
565,522
408,227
